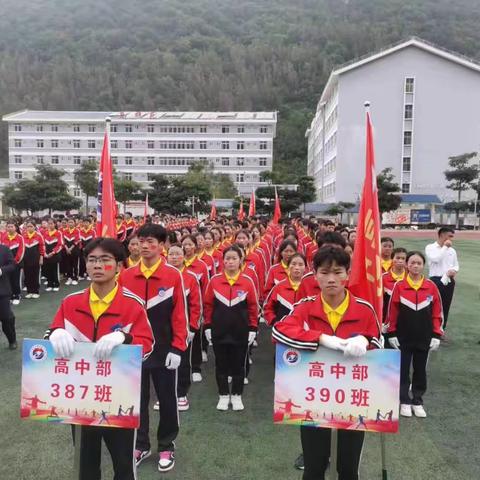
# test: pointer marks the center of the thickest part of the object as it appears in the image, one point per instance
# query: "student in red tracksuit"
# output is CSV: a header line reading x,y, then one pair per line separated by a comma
x,y
33,259
387,244
415,321
279,271
231,319
284,295
193,295
87,234
15,242
200,269
396,273
120,228
204,256
161,287
108,315
53,248
212,251
71,245
339,321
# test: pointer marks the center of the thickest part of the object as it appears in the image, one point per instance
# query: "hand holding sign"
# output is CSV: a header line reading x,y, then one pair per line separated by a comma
x,y
332,342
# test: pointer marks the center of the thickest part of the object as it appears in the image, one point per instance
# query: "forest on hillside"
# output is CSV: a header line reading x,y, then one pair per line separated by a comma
x,y
207,54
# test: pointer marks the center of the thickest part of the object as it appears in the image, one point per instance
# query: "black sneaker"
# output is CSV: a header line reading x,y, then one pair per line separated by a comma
x,y
141,455
12,346
299,463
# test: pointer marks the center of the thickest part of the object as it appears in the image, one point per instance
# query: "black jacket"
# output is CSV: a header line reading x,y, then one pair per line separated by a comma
x,y
7,266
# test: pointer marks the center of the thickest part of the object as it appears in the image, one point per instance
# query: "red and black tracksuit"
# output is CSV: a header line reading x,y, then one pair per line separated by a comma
x,y
309,286
71,244
302,329
276,274
193,295
34,251
280,301
16,245
414,317
121,232
53,248
127,314
164,297
86,236
231,312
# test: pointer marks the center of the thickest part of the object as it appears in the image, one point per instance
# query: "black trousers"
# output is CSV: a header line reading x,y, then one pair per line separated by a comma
x,y
31,278
50,266
8,320
63,262
185,372
230,359
316,452
71,264
120,443
418,360
165,385
82,266
15,282
197,352
446,293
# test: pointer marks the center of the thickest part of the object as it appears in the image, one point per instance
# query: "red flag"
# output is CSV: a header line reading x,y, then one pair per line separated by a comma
x,y
106,205
366,275
252,207
241,213
213,211
146,210
277,212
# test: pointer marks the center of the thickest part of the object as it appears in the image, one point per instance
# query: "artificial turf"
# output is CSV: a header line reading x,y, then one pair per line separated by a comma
x,y
246,445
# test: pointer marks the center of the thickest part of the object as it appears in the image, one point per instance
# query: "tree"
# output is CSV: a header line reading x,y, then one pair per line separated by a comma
x,y
306,190
388,189
462,177
86,177
126,190
222,186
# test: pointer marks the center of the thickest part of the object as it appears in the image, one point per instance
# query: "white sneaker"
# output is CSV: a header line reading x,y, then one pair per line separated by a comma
x,y
68,282
405,410
250,360
245,381
183,404
237,403
204,357
16,301
419,411
48,289
74,282
156,406
223,402
35,295
196,377
24,289
28,295
56,289
255,344
229,379
45,283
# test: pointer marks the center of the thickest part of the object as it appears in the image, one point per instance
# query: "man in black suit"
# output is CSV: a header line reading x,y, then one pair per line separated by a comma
x,y
7,266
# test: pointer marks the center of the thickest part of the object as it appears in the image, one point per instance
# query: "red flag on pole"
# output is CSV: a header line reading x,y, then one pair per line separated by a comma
x,y
213,210
241,213
106,205
252,208
146,210
277,212
366,275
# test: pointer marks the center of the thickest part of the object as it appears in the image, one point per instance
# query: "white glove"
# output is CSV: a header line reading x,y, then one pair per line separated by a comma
x,y
104,346
172,362
434,344
384,328
208,335
356,346
251,337
394,343
62,342
190,336
332,342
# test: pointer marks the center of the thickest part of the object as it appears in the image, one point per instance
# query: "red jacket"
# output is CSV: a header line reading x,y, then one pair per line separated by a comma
x,y
193,294
71,238
209,261
415,316
34,248
276,274
254,260
309,286
86,236
16,246
388,282
126,313
231,311
200,269
303,327
217,260
130,227
53,241
280,301
121,232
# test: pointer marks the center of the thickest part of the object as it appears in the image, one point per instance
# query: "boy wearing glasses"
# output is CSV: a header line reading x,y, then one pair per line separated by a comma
x,y
108,315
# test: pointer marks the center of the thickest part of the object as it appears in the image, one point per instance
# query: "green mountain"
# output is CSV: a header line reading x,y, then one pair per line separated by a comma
x,y
206,54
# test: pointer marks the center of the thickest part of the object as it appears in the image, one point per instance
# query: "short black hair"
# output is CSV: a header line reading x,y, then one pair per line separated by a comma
x,y
153,230
234,248
442,230
333,238
190,237
283,246
399,250
297,255
387,239
415,252
109,245
327,256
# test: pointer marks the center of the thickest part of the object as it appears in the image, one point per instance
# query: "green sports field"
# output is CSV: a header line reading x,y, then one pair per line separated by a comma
x,y
246,445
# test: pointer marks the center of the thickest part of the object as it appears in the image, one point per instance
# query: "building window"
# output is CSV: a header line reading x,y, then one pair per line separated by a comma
x,y
409,84
18,143
150,160
39,143
150,128
263,145
225,129
406,164
18,159
55,160
128,144
241,129
77,192
91,128
91,159
40,159
113,143
113,128
408,112
240,145
263,129
128,128
39,128
226,145
76,160
240,177
76,128
407,138
128,160
405,188
54,128
54,143
203,129
18,127
114,160
262,162
225,162
91,144
76,144
150,144
127,176
240,162
17,175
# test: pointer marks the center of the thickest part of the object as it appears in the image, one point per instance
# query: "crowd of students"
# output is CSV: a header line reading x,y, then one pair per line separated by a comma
x,y
212,283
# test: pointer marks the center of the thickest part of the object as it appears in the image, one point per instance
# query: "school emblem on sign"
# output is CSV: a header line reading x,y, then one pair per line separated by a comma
x,y
38,353
291,357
